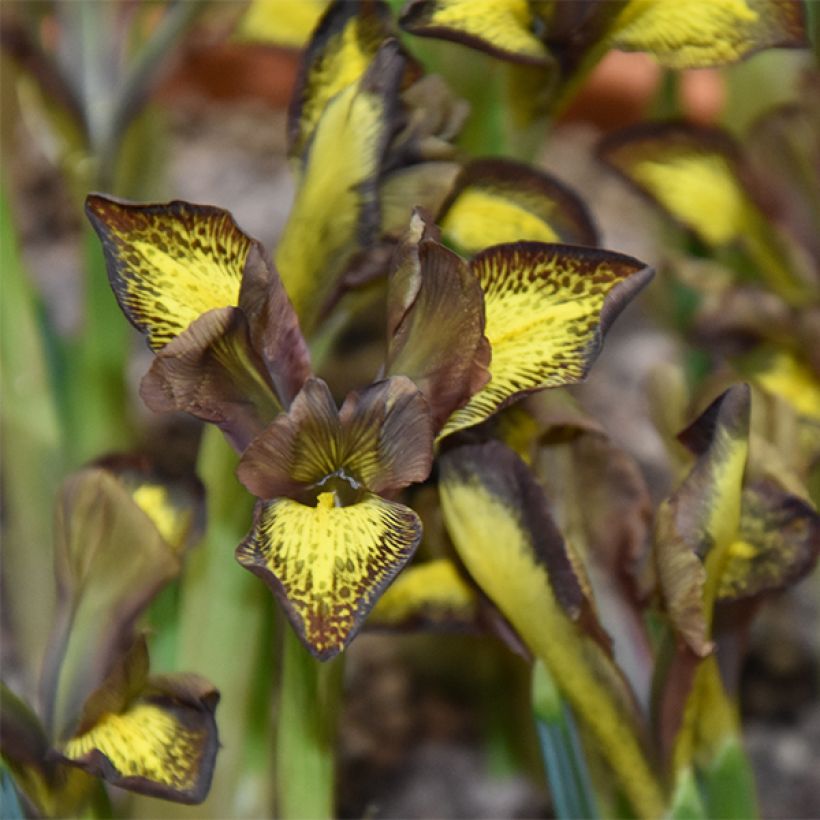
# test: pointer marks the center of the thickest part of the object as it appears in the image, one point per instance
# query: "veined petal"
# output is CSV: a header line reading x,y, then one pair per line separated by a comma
x,y
497,200
504,28
336,211
297,449
497,517
436,325
777,544
327,564
429,594
703,33
547,309
169,264
287,23
697,525
158,737
692,172
387,435
343,44
382,440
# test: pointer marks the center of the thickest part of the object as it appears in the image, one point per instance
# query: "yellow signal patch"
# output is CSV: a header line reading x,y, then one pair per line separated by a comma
x,y
703,33
544,307
169,264
146,741
329,563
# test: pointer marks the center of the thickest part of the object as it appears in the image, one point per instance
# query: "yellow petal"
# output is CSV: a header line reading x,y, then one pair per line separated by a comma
x,y
500,27
496,516
547,309
163,744
692,173
340,52
286,23
336,208
328,564
429,594
703,33
496,201
169,264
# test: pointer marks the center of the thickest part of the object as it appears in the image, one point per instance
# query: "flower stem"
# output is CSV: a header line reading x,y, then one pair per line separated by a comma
x,y
306,732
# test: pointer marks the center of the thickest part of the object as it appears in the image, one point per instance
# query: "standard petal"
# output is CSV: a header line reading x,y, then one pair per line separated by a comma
x,y
503,28
342,45
155,736
387,435
548,308
432,594
169,264
703,33
697,525
439,340
327,564
497,200
212,371
297,450
336,210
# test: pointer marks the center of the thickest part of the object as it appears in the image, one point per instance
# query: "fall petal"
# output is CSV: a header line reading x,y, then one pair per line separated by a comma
x,y
547,309
503,28
496,200
427,595
328,564
169,264
158,736
704,33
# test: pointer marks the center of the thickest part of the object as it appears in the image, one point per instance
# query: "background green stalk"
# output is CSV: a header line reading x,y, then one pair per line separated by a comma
x,y
564,760
309,701
31,440
221,625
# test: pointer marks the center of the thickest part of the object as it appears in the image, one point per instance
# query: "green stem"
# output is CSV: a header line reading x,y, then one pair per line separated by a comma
x,y
31,440
306,732
221,627
570,783
97,395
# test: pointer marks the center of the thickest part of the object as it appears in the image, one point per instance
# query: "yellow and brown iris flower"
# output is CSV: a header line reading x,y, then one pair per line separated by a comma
x,y
121,535
464,340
